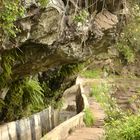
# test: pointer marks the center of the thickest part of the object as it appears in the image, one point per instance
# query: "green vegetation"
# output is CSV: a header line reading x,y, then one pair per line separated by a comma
x,y
118,125
102,94
34,92
91,73
127,128
129,42
28,95
127,52
81,16
10,11
43,2
8,60
23,98
88,117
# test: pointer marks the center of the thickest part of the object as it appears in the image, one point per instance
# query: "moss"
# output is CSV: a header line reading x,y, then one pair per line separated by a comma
x,y
6,63
8,60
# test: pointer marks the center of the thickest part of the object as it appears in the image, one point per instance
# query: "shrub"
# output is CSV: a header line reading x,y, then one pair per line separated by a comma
x,y
128,44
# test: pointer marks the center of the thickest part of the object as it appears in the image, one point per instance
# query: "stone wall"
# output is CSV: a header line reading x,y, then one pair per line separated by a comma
x,y
64,129
36,126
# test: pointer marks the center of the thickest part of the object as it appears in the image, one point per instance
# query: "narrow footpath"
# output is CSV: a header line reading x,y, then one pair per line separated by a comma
x,y
91,133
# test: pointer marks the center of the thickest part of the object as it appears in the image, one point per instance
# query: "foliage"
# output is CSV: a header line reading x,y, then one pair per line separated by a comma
x,y
13,102
71,69
88,117
24,97
127,52
57,104
8,59
7,62
27,95
10,11
127,128
1,104
43,2
102,94
34,92
81,16
52,98
129,38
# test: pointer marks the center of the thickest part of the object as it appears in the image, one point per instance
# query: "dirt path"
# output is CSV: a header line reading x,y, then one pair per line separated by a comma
x,y
93,133
125,87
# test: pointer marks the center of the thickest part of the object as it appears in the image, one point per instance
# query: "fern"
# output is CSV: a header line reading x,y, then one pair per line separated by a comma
x,y
34,92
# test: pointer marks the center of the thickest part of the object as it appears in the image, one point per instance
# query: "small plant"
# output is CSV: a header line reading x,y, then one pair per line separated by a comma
x,y
127,52
81,16
34,92
43,2
88,117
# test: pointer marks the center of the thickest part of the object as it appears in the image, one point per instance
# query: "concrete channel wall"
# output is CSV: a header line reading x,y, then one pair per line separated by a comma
x,y
61,131
30,128
45,123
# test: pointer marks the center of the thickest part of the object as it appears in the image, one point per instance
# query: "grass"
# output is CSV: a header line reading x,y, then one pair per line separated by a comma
x,y
91,73
127,128
89,119
118,125
100,92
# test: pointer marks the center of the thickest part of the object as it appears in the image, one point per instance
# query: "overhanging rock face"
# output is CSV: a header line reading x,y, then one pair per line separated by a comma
x,y
49,39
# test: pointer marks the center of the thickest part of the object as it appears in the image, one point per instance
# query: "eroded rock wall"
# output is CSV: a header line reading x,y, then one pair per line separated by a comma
x,y
50,38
